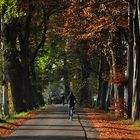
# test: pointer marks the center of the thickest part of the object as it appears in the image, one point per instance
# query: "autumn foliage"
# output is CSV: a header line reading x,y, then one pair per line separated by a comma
x,y
101,24
88,20
109,127
118,77
8,128
118,106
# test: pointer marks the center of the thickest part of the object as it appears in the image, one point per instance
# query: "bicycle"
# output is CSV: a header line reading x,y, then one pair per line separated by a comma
x,y
71,112
71,104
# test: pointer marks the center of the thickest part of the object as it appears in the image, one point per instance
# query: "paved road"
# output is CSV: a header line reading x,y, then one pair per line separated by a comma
x,y
53,124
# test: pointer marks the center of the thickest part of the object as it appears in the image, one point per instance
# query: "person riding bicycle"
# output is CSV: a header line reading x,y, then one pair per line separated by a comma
x,y
71,102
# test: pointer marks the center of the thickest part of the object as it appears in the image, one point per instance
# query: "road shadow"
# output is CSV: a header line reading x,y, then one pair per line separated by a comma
x,y
47,138
57,138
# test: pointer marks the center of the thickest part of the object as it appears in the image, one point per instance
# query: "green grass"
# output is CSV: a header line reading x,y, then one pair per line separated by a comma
x,y
22,114
136,124
129,121
43,107
112,115
16,116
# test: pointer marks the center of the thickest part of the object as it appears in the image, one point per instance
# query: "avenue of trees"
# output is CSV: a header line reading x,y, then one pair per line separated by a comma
x,y
91,46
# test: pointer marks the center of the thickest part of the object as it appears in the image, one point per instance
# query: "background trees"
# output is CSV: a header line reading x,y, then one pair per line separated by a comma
x,y
25,34
98,26
89,45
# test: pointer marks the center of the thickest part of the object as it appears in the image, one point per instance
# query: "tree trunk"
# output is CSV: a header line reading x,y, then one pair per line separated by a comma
x,y
66,78
27,88
118,66
129,86
25,62
14,69
16,78
109,96
104,94
85,99
136,68
116,96
38,98
5,105
100,82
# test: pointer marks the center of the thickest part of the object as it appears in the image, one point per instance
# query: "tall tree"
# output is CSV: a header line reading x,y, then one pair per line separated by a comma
x,y
136,57
5,107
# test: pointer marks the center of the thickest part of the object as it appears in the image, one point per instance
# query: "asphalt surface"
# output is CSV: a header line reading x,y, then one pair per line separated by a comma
x,y
53,124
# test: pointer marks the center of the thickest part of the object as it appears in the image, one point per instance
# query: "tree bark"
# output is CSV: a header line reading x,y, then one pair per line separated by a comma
x,y
66,78
5,105
129,86
85,99
136,58
14,69
38,98
104,94
100,82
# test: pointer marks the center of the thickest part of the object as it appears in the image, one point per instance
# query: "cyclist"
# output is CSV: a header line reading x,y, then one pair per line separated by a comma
x,y
71,103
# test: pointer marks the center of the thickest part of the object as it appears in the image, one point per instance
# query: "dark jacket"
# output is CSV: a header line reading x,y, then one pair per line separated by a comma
x,y
71,100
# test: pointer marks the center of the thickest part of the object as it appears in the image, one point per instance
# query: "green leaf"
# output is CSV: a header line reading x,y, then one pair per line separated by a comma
x,y
10,10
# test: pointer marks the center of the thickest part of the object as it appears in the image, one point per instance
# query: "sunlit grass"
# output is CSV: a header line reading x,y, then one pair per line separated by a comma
x,y
12,118
16,116
112,115
137,125
43,107
128,121
22,114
